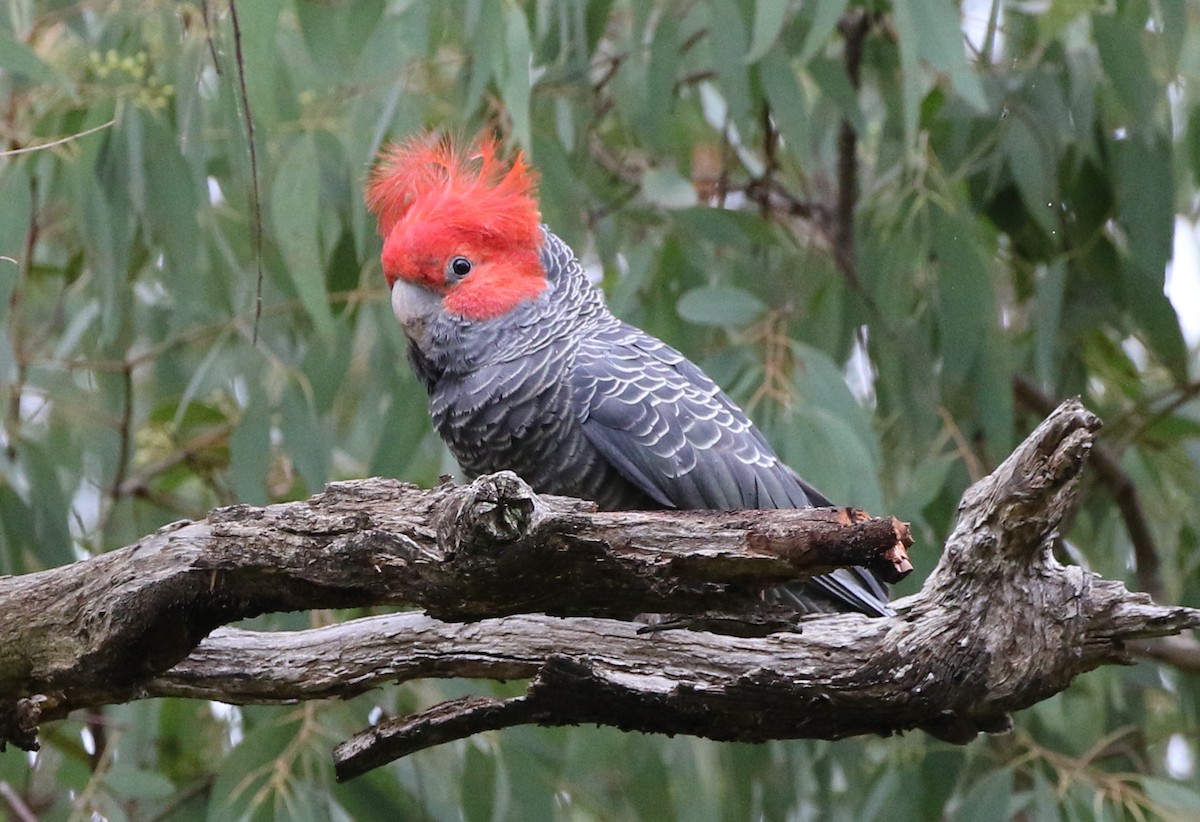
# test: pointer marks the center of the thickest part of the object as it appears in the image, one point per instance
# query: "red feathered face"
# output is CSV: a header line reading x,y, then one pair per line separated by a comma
x,y
465,228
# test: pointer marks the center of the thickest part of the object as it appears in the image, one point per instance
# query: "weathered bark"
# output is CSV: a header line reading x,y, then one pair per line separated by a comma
x,y
998,626
96,631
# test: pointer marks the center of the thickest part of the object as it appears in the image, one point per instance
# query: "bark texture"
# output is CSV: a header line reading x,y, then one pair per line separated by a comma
x,y
97,631
517,586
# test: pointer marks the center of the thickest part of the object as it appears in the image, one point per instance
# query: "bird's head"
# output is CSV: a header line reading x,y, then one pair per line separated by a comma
x,y
461,229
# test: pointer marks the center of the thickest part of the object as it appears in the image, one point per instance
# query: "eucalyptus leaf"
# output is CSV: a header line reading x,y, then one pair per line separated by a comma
x,y
667,188
769,17
515,84
295,214
826,15
20,60
723,306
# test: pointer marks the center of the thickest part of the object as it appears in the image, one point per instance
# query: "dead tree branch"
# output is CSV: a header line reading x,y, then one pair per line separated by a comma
x,y
1182,652
998,626
96,631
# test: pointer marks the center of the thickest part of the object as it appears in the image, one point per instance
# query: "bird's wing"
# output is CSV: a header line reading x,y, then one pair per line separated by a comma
x,y
668,429
671,431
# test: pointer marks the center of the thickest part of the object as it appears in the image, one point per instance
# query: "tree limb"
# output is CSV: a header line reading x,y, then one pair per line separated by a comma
x,y
1119,485
998,626
1182,652
96,631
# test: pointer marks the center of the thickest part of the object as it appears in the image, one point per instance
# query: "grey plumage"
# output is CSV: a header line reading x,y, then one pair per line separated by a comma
x,y
578,402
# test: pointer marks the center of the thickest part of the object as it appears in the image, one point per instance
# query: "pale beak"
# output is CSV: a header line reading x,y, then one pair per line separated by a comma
x,y
413,305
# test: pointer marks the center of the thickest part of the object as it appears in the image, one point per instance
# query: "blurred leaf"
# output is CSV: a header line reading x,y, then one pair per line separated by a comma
x,y
1192,143
926,482
1034,177
479,784
16,531
15,187
994,397
332,37
819,381
649,788
965,301
1048,307
930,37
1170,430
659,86
1119,46
295,215
128,782
486,48
50,538
667,188
768,22
250,452
723,306
836,88
1144,171
20,60
405,429
305,437
515,84
827,452
824,22
1171,797
988,799
259,24
723,226
170,211
881,799
728,38
243,788
787,100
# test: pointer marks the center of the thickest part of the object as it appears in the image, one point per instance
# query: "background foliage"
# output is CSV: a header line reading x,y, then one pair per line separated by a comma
x,y
997,213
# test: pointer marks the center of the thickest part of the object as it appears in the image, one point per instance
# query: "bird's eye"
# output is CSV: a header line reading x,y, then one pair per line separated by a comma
x,y
459,267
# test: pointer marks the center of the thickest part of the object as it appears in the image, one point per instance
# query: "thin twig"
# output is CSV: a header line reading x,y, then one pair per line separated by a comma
x,y
961,446
208,37
124,432
854,28
16,331
256,198
139,482
12,152
16,805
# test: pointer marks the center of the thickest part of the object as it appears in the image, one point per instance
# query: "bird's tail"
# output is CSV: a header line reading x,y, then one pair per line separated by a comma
x,y
846,589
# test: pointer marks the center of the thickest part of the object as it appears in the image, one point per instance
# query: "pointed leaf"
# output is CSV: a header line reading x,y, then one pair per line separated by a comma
x,y
768,22
720,305
667,188
824,22
516,85
295,216
20,60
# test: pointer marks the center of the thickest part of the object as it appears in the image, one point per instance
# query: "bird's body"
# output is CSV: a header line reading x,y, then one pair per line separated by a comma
x,y
527,369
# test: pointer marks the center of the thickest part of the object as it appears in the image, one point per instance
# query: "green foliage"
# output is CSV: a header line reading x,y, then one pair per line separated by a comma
x,y
1016,206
